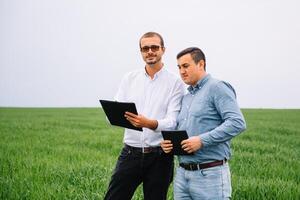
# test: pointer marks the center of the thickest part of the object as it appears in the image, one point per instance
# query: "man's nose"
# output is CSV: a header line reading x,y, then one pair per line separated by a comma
x,y
150,51
181,70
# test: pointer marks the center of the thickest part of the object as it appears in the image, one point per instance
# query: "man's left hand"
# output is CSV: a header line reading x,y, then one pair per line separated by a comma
x,y
192,144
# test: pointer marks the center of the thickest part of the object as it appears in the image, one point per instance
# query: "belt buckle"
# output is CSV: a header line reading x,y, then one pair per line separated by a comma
x,y
146,150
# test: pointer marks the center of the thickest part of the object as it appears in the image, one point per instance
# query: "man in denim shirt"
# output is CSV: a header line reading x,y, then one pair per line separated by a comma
x,y
211,116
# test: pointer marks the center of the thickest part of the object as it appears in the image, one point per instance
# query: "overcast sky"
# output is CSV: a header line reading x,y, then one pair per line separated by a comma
x,y
71,53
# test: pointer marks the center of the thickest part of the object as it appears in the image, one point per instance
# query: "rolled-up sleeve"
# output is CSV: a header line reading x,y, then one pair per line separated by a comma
x,y
169,122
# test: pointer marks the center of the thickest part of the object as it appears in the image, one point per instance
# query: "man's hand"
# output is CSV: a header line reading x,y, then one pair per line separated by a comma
x,y
140,121
166,145
192,144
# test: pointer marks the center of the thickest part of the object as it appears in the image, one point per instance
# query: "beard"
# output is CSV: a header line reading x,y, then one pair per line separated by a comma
x,y
154,61
151,62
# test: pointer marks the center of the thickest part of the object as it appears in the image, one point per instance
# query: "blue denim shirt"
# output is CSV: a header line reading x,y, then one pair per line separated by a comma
x,y
210,110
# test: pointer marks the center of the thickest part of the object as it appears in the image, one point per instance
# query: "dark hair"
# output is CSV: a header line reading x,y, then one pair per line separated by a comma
x,y
196,54
152,34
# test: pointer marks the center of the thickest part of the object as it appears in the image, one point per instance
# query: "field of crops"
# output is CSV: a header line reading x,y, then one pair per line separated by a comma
x,y
69,153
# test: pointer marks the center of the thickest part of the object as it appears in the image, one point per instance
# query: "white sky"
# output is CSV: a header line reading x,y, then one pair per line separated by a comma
x,y
72,53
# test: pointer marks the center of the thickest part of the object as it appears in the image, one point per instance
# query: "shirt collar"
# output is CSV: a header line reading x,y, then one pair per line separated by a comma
x,y
157,74
199,85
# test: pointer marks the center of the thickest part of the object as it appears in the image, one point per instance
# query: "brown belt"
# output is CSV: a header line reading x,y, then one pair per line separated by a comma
x,y
144,149
198,166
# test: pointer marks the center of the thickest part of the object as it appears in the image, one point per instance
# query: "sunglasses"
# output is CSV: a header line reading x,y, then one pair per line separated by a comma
x,y
153,48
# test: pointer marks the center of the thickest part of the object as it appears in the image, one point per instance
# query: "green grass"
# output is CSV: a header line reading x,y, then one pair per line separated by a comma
x,y
67,153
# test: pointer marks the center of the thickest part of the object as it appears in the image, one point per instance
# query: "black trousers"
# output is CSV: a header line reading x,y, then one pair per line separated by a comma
x,y
154,170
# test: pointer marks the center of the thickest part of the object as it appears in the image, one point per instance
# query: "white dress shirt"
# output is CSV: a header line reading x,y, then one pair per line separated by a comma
x,y
158,98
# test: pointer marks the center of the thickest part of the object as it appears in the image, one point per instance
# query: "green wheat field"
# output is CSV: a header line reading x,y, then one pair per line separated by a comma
x,y
69,153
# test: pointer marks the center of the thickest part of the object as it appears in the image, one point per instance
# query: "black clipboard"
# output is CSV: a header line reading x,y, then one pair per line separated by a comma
x,y
115,113
176,137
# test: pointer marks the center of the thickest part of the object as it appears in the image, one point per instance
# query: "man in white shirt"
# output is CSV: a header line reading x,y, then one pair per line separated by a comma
x,y
157,95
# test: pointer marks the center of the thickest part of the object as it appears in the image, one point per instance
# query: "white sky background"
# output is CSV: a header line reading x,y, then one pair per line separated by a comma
x,y
67,53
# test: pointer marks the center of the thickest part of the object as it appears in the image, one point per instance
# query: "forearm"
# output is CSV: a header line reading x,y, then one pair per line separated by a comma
x,y
168,123
225,132
151,124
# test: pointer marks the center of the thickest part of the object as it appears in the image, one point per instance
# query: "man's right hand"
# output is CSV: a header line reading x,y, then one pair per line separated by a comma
x,y
166,145
141,121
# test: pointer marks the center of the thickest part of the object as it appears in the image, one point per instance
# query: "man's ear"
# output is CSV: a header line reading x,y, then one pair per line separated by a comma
x,y
201,64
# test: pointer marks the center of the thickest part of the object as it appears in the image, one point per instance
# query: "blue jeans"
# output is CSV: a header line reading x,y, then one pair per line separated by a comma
x,y
211,183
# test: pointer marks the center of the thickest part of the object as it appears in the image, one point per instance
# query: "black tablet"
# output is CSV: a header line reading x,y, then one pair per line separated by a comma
x,y
176,137
115,113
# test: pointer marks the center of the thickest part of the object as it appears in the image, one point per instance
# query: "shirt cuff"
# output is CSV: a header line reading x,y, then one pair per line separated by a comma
x,y
159,125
